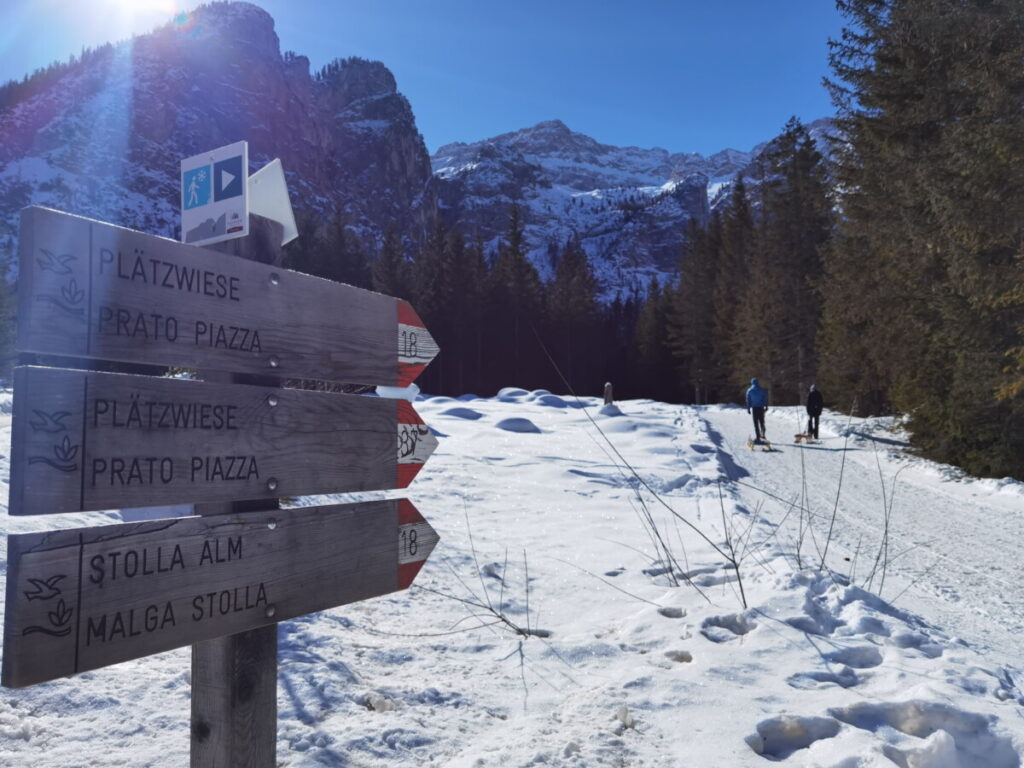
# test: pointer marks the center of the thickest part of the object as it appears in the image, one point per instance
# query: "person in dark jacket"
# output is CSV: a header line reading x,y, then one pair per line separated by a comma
x,y
757,401
814,405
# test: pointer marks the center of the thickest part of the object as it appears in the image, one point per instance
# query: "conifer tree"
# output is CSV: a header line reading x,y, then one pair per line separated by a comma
x,y
474,271
430,286
340,255
515,301
778,319
691,315
928,258
389,274
572,316
735,255
653,368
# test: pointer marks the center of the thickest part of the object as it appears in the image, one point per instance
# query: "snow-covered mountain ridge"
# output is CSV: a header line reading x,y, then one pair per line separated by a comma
x,y
628,206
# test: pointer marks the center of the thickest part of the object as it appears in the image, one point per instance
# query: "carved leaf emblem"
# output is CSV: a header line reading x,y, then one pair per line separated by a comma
x,y
61,616
65,452
72,293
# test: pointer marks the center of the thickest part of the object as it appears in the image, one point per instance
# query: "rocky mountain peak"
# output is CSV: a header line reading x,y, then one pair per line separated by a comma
x,y
353,79
102,135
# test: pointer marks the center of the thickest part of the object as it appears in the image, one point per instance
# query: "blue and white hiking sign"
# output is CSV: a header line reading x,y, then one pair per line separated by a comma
x,y
214,205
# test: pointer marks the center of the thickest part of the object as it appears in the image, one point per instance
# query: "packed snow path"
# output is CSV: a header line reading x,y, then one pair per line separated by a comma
x,y
549,629
954,543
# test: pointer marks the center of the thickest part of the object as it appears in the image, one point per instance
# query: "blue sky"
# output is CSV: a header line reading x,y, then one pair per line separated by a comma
x,y
687,76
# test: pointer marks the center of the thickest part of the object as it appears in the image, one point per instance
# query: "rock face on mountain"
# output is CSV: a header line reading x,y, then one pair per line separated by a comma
x,y
628,206
103,135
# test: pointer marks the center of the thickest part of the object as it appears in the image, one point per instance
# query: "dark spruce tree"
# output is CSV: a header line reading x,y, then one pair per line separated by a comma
x,y
514,305
653,370
430,286
332,251
734,258
923,305
778,316
691,316
572,313
390,272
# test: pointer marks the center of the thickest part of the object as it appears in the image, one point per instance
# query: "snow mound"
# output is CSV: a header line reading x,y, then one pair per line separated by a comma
x,y
462,413
512,394
610,409
551,401
518,424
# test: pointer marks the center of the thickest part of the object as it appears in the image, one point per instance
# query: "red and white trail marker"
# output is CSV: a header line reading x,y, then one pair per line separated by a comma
x,y
416,347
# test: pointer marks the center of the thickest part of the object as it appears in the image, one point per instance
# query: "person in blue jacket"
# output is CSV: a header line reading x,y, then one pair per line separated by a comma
x,y
757,400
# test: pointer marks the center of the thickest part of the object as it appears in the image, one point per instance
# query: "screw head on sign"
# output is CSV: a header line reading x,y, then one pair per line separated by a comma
x,y
274,278
272,401
271,610
271,523
274,362
272,484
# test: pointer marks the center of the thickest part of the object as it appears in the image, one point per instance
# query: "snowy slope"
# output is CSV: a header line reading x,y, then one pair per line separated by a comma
x,y
639,651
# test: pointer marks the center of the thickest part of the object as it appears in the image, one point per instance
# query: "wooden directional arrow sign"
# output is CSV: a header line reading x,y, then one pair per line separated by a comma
x,y
83,440
89,289
85,598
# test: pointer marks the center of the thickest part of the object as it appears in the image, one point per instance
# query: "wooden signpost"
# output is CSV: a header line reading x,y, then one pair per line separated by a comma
x,y
85,598
93,290
84,440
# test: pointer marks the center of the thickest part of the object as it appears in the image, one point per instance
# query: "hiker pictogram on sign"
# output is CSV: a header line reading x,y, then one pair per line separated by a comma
x,y
197,187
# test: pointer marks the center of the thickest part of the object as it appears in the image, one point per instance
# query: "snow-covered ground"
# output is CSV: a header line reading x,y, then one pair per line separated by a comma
x,y
580,610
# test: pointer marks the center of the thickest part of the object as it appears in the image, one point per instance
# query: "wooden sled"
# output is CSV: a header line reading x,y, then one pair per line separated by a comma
x,y
753,442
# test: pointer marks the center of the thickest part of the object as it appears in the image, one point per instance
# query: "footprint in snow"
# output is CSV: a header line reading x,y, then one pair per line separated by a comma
x,y
722,629
856,656
844,678
779,737
950,736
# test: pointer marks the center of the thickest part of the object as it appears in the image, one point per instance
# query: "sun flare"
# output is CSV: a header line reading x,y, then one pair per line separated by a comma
x,y
142,7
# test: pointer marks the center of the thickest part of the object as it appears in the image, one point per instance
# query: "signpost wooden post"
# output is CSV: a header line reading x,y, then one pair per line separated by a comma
x,y
85,598
234,677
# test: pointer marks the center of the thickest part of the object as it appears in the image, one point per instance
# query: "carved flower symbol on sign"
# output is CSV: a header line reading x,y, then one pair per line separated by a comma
x,y
65,454
72,293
